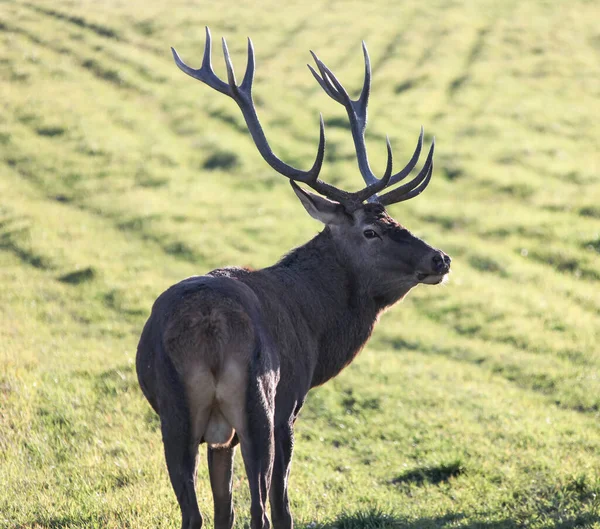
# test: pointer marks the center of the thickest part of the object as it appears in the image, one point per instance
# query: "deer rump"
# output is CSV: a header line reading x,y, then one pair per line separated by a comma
x,y
206,338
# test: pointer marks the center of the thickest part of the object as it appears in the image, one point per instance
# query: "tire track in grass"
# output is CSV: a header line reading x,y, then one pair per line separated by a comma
x,y
575,288
558,337
457,81
89,61
353,54
19,162
40,119
395,42
15,238
287,41
142,228
412,77
121,222
475,51
104,34
94,67
554,336
473,56
459,322
512,365
68,267
77,20
483,260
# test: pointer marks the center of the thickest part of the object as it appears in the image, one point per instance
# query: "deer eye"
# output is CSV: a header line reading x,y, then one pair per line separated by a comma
x,y
370,234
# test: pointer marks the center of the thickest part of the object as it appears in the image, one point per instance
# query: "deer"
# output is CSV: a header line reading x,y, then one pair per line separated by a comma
x,y
229,357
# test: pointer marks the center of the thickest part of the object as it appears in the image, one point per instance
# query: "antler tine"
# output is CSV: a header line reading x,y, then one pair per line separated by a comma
x,y
206,59
415,192
402,174
242,95
229,66
323,82
366,89
331,81
246,85
413,188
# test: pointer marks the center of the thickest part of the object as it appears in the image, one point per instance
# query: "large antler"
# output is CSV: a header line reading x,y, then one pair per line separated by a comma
x,y
357,113
242,95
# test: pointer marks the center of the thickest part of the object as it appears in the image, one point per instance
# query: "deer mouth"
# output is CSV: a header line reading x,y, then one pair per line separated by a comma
x,y
432,279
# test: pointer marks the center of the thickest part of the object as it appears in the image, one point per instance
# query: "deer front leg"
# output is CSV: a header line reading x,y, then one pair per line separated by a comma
x,y
280,505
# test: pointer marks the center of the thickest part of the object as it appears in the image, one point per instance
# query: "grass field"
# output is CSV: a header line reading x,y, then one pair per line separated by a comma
x,y
476,405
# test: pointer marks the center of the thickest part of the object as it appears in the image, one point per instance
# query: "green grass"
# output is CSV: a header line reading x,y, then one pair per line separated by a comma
x,y
476,405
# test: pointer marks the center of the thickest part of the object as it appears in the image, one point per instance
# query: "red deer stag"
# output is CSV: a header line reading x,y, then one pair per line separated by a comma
x,y
230,356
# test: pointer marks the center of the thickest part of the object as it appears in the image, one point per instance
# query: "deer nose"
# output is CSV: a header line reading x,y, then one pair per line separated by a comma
x,y
441,263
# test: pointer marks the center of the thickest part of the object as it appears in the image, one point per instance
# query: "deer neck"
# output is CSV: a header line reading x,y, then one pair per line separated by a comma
x,y
323,291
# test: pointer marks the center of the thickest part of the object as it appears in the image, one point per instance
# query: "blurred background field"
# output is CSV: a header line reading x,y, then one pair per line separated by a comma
x,y
476,405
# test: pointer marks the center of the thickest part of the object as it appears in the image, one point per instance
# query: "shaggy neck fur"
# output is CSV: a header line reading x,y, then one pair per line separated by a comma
x,y
324,300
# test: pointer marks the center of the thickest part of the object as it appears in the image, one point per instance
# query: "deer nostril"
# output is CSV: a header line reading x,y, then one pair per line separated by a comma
x,y
440,262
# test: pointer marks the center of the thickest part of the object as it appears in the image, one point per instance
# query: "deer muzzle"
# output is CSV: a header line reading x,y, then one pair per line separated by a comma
x,y
434,268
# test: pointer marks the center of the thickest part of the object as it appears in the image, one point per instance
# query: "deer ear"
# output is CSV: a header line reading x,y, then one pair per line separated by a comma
x,y
320,208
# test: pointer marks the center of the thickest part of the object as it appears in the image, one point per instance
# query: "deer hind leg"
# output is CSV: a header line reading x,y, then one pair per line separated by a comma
x,y
181,450
181,455
220,467
258,445
278,495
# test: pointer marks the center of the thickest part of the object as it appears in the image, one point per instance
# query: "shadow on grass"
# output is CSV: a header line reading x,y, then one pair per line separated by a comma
x,y
78,276
432,474
17,241
376,519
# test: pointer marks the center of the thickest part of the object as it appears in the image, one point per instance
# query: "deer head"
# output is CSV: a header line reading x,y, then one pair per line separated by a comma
x,y
388,258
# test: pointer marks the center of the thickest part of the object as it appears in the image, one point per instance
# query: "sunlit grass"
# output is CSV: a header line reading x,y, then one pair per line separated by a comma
x,y
475,405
